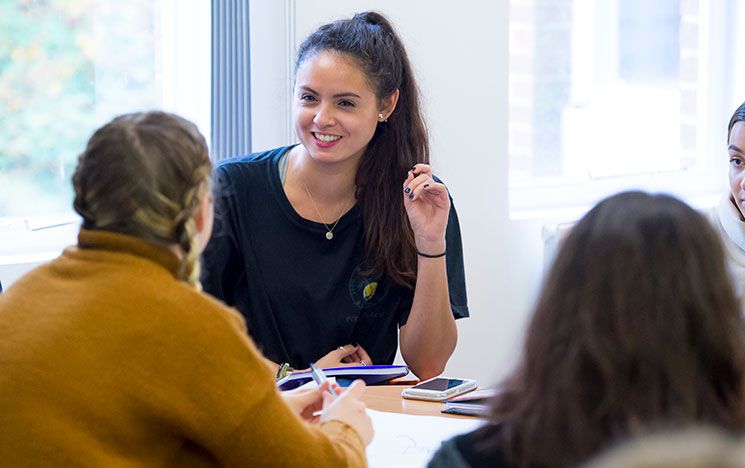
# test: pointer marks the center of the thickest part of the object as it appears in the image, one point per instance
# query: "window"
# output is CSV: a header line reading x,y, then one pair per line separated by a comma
x,y
68,66
607,95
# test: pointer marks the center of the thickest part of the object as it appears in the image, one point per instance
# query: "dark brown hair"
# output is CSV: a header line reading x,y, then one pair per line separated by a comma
x,y
144,174
637,326
370,41
738,116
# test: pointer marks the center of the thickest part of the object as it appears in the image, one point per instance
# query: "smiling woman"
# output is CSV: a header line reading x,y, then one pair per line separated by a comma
x,y
736,148
728,217
332,246
336,110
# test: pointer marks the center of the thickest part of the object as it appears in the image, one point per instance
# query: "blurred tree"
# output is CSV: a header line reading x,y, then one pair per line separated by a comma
x,y
66,67
46,97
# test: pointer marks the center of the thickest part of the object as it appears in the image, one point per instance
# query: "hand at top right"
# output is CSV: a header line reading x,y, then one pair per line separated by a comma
x,y
428,206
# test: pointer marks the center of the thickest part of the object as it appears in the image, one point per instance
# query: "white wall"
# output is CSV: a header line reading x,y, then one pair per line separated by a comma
x,y
459,52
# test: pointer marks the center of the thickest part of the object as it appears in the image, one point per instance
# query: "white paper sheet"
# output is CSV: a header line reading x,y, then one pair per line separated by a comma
x,y
403,440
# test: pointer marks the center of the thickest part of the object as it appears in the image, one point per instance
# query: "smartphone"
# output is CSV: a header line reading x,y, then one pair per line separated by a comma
x,y
439,388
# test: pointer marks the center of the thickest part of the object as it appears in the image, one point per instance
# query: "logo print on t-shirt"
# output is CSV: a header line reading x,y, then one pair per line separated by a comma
x,y
367,290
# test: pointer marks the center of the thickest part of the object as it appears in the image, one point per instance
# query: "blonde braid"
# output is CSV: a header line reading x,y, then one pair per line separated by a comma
x,y
185,232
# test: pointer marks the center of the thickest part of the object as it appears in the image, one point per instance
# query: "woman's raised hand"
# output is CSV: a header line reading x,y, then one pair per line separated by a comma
x,y
427,204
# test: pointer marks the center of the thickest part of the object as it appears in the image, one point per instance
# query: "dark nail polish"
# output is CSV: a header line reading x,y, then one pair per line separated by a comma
x,y
411,196
407,190
426,185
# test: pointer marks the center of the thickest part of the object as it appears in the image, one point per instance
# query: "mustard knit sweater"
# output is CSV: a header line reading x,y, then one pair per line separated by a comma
x,y
107,360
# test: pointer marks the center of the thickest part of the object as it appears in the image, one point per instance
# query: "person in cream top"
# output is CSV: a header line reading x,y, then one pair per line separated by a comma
x,y
727,217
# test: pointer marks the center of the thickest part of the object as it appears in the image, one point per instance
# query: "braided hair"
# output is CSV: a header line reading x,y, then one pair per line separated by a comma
x,y
145,174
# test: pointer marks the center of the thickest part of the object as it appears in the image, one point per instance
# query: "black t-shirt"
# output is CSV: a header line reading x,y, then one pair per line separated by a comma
x,y
301,294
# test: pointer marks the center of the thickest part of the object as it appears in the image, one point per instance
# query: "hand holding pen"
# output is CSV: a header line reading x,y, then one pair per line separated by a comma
x,y
323,382
307,401
346,407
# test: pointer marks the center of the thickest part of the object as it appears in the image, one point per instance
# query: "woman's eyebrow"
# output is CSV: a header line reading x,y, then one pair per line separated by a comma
x,y
349,94
306,88
338,95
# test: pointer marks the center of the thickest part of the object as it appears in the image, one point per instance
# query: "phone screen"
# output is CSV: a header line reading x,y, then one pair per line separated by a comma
x,y
439,384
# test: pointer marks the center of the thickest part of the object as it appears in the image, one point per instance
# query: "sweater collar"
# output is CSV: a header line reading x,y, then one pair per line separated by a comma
x,y
114,241
729,216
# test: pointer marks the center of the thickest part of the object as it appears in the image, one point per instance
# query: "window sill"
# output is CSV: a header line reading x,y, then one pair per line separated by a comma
x,y
35,239
566,201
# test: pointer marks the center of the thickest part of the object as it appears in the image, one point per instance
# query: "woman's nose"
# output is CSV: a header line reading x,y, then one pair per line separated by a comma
x,y
324,117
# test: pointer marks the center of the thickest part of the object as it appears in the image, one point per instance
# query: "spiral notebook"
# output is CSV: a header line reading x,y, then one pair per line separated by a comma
x,y
372,375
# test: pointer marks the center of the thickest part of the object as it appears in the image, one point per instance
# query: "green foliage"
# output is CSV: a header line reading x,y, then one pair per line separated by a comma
x,y
46,98
66,67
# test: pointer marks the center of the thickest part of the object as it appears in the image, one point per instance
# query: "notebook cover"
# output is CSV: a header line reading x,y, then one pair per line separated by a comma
x,y
481,395
479,411
372,375
476,403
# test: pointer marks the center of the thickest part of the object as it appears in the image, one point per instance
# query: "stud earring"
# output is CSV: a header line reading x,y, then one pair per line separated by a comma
x,y
382,118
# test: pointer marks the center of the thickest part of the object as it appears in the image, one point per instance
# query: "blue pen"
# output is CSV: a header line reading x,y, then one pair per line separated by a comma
x,y
320,378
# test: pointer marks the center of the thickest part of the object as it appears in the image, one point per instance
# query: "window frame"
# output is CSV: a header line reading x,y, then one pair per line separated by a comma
x,y
701,183
185,34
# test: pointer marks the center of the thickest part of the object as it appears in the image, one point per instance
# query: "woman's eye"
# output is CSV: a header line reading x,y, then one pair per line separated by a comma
x,y
346,103
735,161
307,98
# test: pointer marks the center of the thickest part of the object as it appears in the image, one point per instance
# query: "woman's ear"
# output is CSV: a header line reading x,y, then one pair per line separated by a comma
x,y
388,104
203,219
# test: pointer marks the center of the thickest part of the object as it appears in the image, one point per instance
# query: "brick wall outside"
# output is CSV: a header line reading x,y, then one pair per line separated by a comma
x,y
540,79
521,83
538,85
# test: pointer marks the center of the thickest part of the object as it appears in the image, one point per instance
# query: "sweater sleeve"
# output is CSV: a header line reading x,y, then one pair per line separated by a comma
x,y
271,435
214,388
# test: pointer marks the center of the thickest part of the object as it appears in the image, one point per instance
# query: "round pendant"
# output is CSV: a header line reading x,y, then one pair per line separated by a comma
x,y
329,235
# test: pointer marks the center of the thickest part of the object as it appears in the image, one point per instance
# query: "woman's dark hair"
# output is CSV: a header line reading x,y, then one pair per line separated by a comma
x,y
637,326
738,116
144,174
369,40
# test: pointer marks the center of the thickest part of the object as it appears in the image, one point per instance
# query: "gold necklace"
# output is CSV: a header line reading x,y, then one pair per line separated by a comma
x,y
329,230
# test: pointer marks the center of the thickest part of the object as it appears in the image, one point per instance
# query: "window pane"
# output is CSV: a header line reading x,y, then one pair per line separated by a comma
x,y
66,67
602,88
